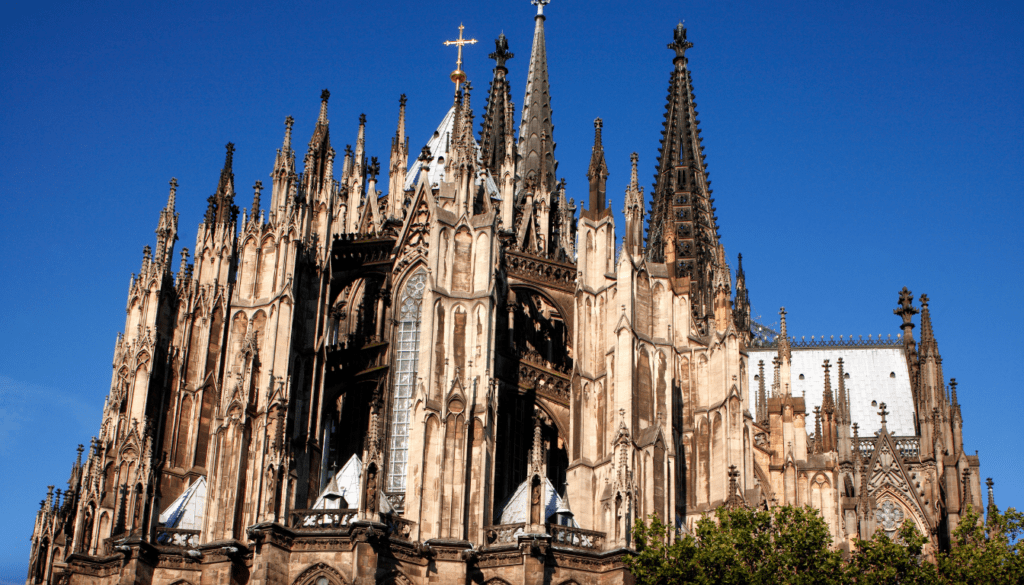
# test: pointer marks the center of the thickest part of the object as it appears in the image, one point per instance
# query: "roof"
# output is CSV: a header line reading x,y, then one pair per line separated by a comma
x,y
343,486
186,512
876,374
517,508
438,145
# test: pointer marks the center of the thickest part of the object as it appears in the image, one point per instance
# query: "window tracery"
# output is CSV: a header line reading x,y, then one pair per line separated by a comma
x,y
407,345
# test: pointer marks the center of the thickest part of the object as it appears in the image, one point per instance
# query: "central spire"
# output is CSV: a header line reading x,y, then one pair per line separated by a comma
x,y
538,153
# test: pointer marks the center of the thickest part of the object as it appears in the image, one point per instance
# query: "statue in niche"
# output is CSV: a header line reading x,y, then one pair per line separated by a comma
x,y
371,490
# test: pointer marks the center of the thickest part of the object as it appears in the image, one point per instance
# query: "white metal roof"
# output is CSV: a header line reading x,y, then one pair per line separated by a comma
x,y
876,374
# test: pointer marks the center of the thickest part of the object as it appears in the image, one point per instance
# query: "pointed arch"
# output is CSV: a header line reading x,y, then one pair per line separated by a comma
x,y
407,346
314,573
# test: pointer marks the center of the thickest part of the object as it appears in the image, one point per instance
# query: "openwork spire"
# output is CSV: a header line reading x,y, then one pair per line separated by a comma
x,y
492,135
538,155
683,232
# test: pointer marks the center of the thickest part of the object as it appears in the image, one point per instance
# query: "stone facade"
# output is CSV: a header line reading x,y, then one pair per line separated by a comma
x,y
472,353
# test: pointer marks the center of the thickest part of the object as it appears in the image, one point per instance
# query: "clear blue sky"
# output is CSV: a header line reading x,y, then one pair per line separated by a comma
x,y
854,147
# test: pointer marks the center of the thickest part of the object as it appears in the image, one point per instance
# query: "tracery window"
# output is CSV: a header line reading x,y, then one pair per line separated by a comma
x,y
407,345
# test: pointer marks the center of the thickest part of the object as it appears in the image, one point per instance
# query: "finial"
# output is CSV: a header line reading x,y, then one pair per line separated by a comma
x,y
401,100
882,412
540,4
288,123
257,188
458,76
425,155
906,309
501,52
373,168
171,196
679,43
924,302
324,96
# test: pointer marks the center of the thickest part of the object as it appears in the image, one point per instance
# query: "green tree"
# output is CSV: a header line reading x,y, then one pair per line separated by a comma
x,y
883,560
987,552
786,545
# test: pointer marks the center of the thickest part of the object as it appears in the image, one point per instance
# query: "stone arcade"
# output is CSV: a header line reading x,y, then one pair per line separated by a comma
x,y
463,380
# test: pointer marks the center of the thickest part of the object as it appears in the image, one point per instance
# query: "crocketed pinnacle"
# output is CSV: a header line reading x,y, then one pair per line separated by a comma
x,y
784,350
492,135
538,156
843,405
221,207
828,405
929,346
597,173
634,210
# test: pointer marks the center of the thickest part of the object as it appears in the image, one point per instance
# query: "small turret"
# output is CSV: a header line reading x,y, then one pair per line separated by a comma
x,y
634,211
741,306
167,230
398,165
597,174
221,208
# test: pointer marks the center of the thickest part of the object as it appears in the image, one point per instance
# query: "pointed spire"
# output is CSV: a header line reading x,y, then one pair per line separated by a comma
x,y
492,135
221,206
398,166
538,158
288,123
256,190
741,306
634,210
828,405
683,232
843,405
597,174
784,350
324,96
167,229
929,347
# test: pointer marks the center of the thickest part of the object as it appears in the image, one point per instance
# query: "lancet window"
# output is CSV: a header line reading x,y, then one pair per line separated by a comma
x,y
407,346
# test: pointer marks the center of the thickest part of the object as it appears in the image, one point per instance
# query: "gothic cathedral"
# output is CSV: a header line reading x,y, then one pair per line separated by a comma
x,y
466,379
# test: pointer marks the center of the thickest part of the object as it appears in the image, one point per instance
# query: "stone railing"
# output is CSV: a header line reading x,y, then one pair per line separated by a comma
x,y
909,447
177,537
553,384
502,534
541,270
575,538
819,342
331,519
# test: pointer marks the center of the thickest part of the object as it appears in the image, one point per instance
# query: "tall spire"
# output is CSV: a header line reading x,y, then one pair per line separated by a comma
x,y
741,310
492,135
399,164
929,347
683,232
828,405
597,174
538,156
634,211
284,166
221,206
167,229
785,355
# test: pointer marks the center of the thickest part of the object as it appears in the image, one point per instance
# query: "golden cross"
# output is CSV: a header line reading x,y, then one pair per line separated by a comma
x,y
458,76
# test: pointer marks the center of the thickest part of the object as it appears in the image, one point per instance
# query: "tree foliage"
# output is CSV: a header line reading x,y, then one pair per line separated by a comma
x,y
789,545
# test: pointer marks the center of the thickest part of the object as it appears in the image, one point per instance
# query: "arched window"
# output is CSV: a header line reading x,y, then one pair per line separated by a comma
x,y
407,346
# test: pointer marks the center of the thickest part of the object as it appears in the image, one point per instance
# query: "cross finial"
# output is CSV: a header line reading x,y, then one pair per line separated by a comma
x,y
458,76
882,412
540,4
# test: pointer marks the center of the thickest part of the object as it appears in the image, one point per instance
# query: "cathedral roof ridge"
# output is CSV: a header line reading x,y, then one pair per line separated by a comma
x,y
820,342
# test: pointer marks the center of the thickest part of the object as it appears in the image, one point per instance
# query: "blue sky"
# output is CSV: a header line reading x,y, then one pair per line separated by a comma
x,y
854,148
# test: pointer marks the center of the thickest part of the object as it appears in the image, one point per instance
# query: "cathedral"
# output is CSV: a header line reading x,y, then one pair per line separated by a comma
x,y
470,379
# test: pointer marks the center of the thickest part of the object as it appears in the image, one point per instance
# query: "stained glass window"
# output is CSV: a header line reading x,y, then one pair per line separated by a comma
x,y
407,345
